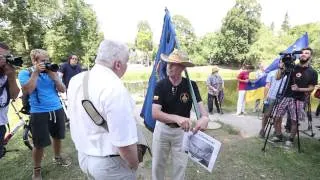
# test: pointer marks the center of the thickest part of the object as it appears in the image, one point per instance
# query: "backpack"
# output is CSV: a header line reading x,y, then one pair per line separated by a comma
x,y
25,109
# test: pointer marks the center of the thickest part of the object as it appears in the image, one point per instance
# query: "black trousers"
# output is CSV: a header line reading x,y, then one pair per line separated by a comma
x,y
216,102
2,134
318,110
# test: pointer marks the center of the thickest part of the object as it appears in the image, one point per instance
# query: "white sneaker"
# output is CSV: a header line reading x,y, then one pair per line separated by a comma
x,y
288,144
276,138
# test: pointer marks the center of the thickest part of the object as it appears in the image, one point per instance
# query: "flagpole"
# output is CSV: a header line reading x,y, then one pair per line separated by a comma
x,y
194,100
193,96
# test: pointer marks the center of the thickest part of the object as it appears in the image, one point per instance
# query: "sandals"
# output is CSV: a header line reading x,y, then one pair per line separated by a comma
x,y
36,173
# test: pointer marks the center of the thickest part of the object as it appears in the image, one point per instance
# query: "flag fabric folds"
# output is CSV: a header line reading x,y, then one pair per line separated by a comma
x,y
254,87
166,46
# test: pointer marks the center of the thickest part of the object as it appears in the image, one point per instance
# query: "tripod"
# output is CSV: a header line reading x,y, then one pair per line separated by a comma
x,y
308,108
279,98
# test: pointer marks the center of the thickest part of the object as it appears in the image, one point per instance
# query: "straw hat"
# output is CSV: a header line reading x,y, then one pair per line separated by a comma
x,y
177,57
215,69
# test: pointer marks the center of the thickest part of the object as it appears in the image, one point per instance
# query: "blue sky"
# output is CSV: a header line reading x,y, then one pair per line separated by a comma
x,y
118,19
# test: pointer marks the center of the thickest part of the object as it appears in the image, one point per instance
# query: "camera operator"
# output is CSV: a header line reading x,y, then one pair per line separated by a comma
x,y
8,90
301,82
273,82
47,115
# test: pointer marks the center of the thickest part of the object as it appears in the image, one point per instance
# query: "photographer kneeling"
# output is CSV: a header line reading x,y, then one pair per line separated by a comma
x,y
302,80
42,83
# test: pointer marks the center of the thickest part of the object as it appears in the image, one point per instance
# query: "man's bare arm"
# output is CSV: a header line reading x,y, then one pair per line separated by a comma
x,y
183,122
130,155
30,86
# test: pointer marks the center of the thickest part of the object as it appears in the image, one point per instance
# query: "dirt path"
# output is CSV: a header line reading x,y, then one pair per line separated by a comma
x,y
247,125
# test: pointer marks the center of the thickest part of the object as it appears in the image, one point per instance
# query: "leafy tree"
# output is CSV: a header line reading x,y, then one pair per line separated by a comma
x,y
238,32
143,40
23,26
285,24
266,48
62,27
185,33
313,30
73,31
272,26
207,48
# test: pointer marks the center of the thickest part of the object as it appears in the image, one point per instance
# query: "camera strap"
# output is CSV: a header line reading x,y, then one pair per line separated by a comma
x,y
89,107
30,70
5,86
142,143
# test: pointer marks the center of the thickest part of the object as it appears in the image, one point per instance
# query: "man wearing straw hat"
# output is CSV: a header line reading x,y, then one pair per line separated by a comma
x,y
215,90
171,107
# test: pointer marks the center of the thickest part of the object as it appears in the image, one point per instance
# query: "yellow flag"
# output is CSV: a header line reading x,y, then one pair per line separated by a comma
x,y
253,95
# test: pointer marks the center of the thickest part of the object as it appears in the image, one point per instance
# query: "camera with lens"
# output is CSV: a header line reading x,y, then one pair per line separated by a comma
x,y
288,59
52,67
15,61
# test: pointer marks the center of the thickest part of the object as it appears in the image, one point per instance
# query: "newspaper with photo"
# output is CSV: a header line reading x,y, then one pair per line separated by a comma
x,y
201,148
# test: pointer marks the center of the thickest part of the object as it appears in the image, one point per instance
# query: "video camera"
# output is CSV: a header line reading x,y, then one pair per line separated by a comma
x,y
52,67
289,58
15,61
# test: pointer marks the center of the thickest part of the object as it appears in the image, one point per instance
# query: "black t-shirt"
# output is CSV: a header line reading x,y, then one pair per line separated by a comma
x,y
175,100
68,72
303,77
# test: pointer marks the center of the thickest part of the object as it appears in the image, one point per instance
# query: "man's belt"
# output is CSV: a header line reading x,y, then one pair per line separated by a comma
x,y
172,125
113,155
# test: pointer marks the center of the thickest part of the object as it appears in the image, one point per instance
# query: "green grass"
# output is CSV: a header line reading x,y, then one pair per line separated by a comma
x,y
199,73
230,91
239,158
243,159
18,165
229,129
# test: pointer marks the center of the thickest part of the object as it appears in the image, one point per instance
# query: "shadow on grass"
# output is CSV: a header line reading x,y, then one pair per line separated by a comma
x,y
238,159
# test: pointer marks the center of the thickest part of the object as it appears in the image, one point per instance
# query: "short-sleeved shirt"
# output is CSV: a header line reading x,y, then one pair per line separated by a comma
x,y
303,77
45,96
275,84
243,75
178,102
3,99
259,74
114,103
215,81
68,72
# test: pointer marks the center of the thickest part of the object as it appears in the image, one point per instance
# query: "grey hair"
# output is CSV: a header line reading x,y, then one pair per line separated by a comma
x,y
111,51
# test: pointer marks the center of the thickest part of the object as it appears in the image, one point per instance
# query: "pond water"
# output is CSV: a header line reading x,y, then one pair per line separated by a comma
x,y
139,89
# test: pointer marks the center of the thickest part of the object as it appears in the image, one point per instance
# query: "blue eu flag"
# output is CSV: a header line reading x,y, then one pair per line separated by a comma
x,y
300,43
167,45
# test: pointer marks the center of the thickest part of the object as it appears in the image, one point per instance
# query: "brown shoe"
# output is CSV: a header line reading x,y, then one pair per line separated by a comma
x,y
36,173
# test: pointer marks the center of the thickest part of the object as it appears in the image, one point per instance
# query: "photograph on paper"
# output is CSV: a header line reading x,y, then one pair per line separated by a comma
x,y
201,148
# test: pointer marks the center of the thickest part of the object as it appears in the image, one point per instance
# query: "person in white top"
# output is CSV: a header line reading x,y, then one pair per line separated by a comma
x,y
105,154
8,90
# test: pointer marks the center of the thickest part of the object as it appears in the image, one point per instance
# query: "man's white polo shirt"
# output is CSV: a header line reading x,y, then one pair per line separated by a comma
x,y
113,102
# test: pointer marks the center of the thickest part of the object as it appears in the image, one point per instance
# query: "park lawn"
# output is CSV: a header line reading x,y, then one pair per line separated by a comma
x,y
239,158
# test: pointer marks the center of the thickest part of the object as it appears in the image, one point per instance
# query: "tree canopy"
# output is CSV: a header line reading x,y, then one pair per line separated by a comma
x,y
143,40
62,27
